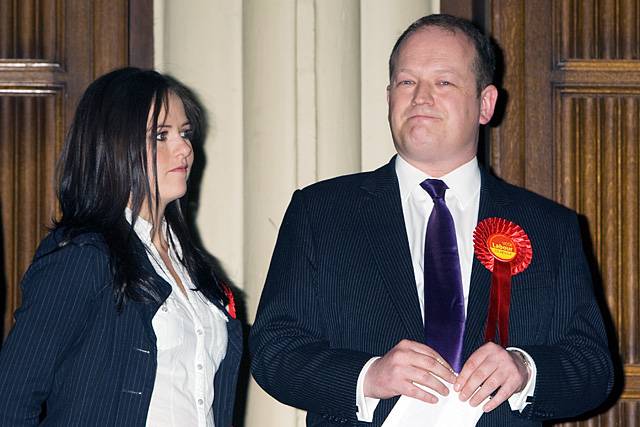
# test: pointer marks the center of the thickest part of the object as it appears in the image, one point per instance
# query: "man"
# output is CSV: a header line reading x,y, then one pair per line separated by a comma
x,y
346,320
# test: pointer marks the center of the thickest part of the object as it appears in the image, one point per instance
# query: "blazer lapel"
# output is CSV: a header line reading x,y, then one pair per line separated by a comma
x,y
159,288
234,331
226,377
383,224
493,203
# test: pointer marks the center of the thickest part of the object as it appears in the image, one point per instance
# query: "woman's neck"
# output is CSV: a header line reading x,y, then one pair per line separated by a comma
x,y
158,238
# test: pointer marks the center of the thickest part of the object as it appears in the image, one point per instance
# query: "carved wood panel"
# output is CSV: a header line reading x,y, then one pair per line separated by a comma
x,y
596,29
598,174
596,80
30,138
30,30
570,130
50,50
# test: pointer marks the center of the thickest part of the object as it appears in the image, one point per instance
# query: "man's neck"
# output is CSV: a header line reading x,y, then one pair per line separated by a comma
x,y
437,169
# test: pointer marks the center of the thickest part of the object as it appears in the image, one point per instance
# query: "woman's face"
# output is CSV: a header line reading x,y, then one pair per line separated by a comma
x,y
174,154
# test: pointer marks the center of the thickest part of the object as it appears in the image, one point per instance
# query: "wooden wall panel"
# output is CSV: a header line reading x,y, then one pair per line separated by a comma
x,y
50,50
30,30
27,168
596,81
507,156
598,175
598,29
110,54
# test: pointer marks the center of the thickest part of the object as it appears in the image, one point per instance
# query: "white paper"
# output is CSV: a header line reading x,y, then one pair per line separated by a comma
x,y
448,411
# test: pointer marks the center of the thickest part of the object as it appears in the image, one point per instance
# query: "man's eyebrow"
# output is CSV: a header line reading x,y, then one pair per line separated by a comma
x,y
446,70
436,70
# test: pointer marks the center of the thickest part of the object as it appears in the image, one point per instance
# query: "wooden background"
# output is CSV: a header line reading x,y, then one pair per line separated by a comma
x,y
569,129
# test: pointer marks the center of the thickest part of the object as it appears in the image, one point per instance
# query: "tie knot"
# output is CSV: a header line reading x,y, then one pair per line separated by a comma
x,y
434,187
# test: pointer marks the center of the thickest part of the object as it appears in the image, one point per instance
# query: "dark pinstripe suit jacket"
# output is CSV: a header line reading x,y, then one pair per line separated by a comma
x,y
71,348
341,289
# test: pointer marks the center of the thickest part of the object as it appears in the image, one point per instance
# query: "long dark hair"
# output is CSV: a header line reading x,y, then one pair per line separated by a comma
x,y
103,167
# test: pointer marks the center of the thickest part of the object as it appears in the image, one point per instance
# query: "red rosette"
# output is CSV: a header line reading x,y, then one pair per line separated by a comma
x,y
504,249
498,226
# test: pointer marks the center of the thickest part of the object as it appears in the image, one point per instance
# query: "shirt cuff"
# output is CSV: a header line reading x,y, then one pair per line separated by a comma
x,y
518,401
366,405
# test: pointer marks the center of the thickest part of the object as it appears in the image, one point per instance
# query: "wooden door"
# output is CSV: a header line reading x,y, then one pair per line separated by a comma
x,y
50,50
571,131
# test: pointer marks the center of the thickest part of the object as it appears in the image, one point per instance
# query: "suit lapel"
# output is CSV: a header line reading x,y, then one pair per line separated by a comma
x,y
383,225
493,203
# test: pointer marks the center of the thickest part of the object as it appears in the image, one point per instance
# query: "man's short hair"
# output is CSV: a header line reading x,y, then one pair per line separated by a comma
x,y
485,62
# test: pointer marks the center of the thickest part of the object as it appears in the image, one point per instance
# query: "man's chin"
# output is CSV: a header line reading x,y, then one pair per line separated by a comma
x,y
424,145
424,135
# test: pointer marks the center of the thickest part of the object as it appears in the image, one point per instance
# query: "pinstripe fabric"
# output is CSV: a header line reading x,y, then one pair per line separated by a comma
x,y
71,348
341,289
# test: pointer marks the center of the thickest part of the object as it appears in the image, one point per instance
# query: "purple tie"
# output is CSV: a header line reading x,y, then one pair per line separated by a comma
x,y
443,298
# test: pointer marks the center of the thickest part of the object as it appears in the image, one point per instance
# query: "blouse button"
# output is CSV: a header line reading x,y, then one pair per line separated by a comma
x,y
199,331
199,367
164,308
200,402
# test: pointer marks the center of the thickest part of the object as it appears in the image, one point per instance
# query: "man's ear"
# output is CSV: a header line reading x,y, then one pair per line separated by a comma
x,y
488,98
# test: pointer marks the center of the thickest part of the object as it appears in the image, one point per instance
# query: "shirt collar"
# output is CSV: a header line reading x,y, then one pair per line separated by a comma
x,y
463,182
143,229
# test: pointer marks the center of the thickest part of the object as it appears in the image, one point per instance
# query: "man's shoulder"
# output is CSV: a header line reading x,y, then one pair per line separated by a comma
x,y
525,198
347,182
343,194
347,185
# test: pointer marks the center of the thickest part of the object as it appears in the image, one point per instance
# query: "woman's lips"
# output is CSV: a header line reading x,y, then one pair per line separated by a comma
x,y
181,169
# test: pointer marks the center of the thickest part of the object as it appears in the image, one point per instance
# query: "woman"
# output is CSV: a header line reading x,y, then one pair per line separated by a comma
x,y
123,320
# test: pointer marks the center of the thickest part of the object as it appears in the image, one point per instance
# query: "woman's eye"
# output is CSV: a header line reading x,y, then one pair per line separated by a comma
x,y
161,136
186,134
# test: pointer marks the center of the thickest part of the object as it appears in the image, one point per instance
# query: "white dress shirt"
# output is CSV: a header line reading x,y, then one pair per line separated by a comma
x,y
463,200
191,340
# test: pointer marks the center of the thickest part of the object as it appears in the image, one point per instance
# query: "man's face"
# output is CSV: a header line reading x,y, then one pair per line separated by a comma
x,y
434,108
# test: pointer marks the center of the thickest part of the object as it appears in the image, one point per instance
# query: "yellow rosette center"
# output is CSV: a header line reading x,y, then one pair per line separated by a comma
x,y
502,247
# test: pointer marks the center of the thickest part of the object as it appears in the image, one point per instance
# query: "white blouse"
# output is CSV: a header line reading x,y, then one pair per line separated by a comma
x,y
191,340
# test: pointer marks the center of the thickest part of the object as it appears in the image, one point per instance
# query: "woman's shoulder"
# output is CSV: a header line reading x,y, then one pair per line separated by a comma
x,y
63,248
66,260
70,240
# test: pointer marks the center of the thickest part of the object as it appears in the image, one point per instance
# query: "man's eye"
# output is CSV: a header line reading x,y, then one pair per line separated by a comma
x,y
405,82
444,83
161,136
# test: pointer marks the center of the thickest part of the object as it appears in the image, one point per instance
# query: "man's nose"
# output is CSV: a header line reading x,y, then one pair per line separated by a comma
x,y
423,94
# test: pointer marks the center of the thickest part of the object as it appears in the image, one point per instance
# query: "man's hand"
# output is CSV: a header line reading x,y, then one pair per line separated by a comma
x,y
491,367
407,363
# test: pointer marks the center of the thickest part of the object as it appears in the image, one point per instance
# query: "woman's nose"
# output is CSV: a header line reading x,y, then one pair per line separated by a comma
x,y
184,147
